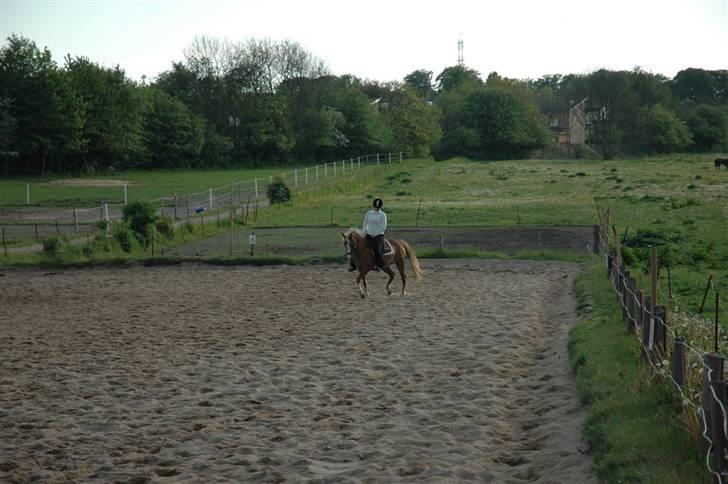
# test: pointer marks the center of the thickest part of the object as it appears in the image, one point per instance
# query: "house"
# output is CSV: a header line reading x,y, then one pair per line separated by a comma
x,y
568,125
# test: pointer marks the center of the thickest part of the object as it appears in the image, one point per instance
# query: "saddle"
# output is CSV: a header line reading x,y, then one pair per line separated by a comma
x,y
388,248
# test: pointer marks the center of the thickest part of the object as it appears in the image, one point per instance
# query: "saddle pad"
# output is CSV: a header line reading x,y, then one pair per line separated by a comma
x,y
388,248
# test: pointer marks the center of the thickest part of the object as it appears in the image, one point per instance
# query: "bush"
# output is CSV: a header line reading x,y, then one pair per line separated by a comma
x,y
278,191
140,217
125,236
55,245
165,226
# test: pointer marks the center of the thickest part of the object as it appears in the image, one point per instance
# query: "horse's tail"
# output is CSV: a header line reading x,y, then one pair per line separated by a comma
x,y
410,253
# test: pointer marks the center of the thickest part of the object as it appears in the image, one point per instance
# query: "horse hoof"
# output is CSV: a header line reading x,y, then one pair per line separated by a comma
x,y
389,292
363,296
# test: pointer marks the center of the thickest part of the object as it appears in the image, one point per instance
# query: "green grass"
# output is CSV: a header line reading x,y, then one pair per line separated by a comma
x,y
147,185
635,433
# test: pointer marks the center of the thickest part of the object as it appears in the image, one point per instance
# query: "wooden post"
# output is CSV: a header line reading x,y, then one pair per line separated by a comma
x,y
58,231
5,245
75,219
712,371
653,276
358,162
377,160
332,216
175,206
153,237
678,368
596,246
660,330
188,205
390,158
36,231
610,263
623,291
638,312
417,219
210,206
717,325
232,219
647,327
202,221
27,194
217,223
718,402
126,195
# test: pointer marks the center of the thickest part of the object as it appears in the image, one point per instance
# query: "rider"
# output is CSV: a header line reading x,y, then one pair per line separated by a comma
x,y
375,223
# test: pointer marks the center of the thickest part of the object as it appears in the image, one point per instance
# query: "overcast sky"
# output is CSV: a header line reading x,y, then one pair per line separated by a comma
x,y
385,40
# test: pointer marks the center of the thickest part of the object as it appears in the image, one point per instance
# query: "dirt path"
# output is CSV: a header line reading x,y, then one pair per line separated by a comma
x,y
284,374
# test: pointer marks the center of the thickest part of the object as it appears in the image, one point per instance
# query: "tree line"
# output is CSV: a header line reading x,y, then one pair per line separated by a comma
x,y
256,102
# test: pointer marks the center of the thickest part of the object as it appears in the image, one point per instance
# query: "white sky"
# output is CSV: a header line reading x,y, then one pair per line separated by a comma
x,y
385,40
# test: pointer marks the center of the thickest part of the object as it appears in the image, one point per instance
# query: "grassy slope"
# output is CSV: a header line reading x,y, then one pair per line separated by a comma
x,y
632,427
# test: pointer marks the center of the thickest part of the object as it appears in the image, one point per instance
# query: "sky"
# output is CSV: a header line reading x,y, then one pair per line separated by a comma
x,y
386,40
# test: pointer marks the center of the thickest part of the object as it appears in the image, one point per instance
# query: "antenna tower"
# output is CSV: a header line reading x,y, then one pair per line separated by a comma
x,y
460,51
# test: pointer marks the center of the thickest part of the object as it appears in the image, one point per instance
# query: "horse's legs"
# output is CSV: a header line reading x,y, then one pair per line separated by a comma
x,y
390,273
362,290
402,274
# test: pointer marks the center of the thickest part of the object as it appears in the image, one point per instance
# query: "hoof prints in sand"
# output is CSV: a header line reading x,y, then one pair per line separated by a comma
x,y
273,374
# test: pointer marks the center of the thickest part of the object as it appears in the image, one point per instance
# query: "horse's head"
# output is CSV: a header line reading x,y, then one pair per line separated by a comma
x,y
350,241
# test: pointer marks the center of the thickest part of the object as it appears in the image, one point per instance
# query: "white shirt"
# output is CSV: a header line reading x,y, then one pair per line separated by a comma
x,y
375,223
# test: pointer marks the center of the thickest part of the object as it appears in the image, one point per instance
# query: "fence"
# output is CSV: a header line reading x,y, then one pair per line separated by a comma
x,y
183,206
671,349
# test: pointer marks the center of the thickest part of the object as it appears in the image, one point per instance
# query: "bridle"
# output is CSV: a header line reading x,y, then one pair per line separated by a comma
x,y
349,243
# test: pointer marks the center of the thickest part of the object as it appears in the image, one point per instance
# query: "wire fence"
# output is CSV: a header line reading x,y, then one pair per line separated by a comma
x,y
182,207
675,350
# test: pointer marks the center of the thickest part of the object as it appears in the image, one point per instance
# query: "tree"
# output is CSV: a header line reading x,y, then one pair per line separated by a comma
x,y
493,123
708,126
111,133
701,86
421,82
457,76
660,130
414,124
47,114
173,136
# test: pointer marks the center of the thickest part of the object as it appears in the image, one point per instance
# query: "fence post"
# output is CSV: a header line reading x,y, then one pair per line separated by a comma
x,y
36,231
188,205
58,230
660,337
377,160
678,368
623,291
718,403
352,164
5,245
210,206
27,194
358,162
316,172
295,177
609,266
400,157
75,219
256,190
638,311
597,241
712,371
334,163
326,170
647,327
175,206
390,158
126,195
306,182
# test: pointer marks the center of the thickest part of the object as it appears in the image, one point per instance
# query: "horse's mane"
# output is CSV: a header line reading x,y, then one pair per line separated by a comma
x,y
353,230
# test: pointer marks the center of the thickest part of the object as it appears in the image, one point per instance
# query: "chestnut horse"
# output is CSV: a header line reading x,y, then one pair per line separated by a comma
x,y
363,258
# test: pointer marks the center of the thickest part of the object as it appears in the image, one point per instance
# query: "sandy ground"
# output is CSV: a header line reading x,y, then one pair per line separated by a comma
x,y
278,374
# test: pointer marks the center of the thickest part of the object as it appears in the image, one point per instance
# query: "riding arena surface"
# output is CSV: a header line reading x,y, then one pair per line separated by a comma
x,y
284,374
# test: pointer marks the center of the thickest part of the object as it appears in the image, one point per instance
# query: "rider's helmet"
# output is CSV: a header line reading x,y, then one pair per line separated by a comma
x,y
377,203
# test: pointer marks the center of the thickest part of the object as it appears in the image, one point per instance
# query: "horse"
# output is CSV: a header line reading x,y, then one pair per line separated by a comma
x,y
721,161
363,258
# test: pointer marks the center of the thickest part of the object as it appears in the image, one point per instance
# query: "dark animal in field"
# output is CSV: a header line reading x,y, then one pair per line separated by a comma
x,y
721,161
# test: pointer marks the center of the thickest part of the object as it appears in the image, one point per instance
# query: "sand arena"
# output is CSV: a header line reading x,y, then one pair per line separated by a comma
x,y
279,374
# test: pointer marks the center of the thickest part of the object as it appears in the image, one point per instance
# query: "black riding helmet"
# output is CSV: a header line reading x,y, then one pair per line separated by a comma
x,y
377,203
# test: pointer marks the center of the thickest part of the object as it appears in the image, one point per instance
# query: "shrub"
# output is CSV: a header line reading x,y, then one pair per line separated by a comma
x,y
125,236
55,245
140,216
278,191
165,226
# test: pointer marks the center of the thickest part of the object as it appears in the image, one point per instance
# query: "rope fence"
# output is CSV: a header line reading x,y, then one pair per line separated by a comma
x,y
672,349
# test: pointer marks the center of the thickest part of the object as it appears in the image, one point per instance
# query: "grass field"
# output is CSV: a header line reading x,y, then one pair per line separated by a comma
x,y
90,190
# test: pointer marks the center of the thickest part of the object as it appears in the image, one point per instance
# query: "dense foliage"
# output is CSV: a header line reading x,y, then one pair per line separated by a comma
x,y
257,102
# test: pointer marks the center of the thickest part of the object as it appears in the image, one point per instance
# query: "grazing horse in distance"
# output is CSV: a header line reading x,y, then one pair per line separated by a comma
x,y
721,161
363,257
